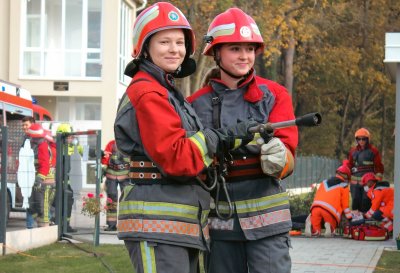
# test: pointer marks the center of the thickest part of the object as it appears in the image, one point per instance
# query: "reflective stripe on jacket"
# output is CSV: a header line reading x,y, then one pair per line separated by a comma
x,y
116,163
382,198
261,202
362,161
333,195
154,121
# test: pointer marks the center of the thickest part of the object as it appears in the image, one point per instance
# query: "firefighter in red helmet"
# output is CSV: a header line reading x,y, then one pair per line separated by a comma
x,y
43,187
256,237
330,201
363,158
116,169
163,211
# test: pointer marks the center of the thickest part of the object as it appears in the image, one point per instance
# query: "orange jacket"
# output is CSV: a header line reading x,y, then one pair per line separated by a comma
x,y
333,195
382,198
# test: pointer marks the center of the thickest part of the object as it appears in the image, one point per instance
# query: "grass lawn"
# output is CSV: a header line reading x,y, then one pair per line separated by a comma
x,y
66,257
389,262
63,257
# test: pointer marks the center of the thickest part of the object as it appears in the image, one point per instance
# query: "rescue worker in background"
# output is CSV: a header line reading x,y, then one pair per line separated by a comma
x,y
256,238
382,200
116,169
52,173
40,199
26,123
330,201
363,158
163,212
66,128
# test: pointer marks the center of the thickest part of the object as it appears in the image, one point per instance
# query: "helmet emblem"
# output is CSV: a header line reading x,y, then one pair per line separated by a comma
x,y
173,16
245,31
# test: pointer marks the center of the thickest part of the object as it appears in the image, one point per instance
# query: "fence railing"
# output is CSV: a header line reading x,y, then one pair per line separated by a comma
x,y
309,170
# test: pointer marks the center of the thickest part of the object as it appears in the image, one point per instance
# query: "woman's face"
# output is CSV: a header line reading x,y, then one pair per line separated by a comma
x,y
167,49
237,58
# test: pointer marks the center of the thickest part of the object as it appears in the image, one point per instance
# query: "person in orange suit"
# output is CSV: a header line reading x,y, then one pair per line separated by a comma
x,y
330,201
382,200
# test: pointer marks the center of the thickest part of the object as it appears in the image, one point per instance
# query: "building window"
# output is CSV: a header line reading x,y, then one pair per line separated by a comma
x,y
125,40
78,108
61,39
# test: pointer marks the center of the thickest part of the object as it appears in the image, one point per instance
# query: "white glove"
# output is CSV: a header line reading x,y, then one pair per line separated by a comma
x,y
273,157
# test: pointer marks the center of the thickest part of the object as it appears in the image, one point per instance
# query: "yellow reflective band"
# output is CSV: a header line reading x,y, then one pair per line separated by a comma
x,y
258,204
204,216
254,141
148,258
157,208
116,173
263,203
201,262
127,189
46,205
125,101
199,140
237,143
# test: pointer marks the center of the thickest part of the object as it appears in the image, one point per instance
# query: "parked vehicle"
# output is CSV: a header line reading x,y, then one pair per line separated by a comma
x,y
16,103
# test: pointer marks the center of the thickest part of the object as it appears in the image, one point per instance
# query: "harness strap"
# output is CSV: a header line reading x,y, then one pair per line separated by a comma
x,y
244,168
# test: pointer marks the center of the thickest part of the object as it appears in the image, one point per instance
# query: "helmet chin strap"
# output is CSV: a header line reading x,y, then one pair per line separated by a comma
x,y
218,63
227,72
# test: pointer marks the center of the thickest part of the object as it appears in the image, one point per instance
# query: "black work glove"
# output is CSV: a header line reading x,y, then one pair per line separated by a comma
x,y
37,185
229,138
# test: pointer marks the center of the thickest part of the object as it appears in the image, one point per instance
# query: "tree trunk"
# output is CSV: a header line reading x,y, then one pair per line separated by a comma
x,y
382,146
198,76
289,57
340,150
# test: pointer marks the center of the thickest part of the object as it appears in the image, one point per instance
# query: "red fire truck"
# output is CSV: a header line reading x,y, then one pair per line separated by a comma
x,y
15,103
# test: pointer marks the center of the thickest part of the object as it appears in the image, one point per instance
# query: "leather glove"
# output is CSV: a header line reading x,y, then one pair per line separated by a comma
x,y
38,183
276,160
229,138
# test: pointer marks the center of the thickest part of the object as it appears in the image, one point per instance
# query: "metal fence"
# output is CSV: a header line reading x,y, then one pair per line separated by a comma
x,y
78,168
78,171
308,171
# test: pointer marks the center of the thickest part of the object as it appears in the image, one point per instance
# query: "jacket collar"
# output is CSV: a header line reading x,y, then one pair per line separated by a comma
x,y
252,93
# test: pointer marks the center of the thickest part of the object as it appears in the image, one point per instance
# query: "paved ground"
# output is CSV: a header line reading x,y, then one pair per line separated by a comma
x,y
336,255
315,255
309,255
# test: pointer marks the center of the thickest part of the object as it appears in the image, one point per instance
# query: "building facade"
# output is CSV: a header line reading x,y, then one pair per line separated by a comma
x,y
70,54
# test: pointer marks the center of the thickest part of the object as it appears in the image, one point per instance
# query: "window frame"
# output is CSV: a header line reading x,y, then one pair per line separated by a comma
x,y
42,50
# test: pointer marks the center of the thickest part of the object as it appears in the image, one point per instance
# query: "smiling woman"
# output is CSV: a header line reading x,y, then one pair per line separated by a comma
x,y
163,212
167,49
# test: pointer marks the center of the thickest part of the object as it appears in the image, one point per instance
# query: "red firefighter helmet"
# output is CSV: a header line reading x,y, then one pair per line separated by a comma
x,y
344,170
233,26
157,17
368,177
362,132
36,131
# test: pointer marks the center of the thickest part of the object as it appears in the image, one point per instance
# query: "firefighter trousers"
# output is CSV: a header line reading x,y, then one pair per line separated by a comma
x,y
319,216
112,192
151,257
359,198
266,255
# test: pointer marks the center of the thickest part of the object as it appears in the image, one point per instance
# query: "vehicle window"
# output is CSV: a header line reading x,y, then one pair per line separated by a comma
x,y
46,118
